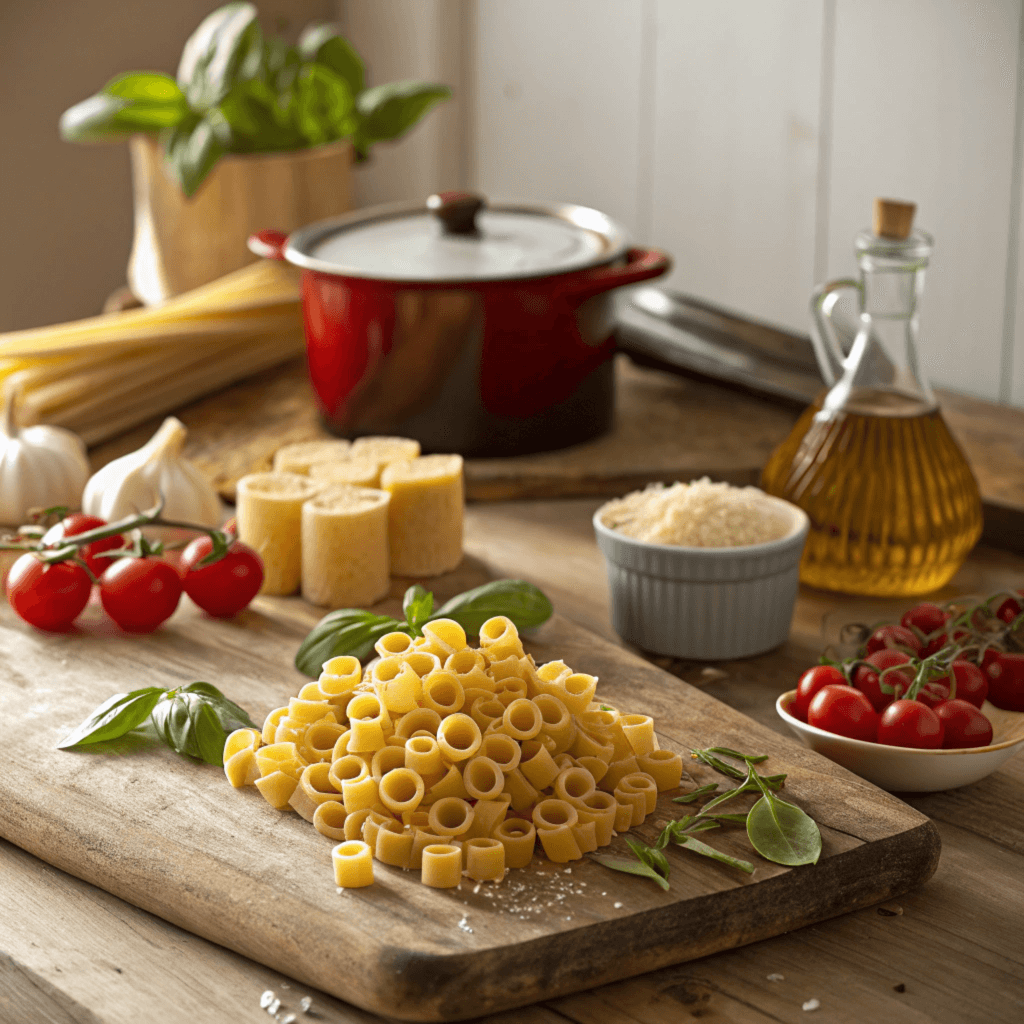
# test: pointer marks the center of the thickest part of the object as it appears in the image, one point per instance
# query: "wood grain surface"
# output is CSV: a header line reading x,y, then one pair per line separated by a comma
x,y
666,427
174,839
948,952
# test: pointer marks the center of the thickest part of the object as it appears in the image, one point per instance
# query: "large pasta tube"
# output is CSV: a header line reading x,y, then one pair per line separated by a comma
x,y
269,514
345,547
425,515
304,455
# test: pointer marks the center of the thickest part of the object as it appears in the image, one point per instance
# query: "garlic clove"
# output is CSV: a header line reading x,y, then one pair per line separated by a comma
x,y
136,481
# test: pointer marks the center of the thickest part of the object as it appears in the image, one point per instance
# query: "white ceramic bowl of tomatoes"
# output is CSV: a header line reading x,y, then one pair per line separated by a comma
x,y
908,711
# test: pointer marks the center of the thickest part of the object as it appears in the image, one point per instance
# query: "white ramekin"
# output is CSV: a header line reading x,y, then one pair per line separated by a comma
x,y
704,603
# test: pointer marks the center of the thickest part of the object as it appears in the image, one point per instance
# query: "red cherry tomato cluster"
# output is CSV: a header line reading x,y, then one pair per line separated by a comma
x,y
138,593
922,683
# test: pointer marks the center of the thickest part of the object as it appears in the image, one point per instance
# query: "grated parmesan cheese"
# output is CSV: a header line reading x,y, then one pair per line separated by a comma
x,y
700,514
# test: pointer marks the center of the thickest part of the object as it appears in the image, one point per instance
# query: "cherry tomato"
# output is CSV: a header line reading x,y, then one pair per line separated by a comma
x,y
867,679
844,711
48,597
1009,609
909,723
810,683
971,686
893,638
925,617
79,522
964,724
1005,674
140,593
225,587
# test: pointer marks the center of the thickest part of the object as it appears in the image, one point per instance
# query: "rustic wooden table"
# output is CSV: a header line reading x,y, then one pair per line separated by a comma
x,y
952,951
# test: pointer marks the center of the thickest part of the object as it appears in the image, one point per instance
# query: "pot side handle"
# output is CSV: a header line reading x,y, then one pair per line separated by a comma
x,y
640,265
268,244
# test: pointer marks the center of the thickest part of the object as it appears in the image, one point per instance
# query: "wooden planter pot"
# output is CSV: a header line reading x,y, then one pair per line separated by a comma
x,y
182,243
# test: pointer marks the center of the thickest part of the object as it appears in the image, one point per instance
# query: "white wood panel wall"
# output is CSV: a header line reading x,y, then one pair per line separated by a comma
x,y
748,139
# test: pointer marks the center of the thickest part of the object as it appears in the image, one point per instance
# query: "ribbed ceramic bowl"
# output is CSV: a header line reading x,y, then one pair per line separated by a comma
x,y
704,603
904,769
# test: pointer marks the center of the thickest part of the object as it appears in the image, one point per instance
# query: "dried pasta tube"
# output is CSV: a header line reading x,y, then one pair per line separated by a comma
x,y
617,771
394,848
304,455
416,819
421,839
401,790
639,782
600,808
289,731
470,668
636,800
320,740
311,691
422,662
423,756
458,737
576,691
510,688
385,450
450,816
585,834
586,745
350,472
450,786
537,764
550,674
353,864
354,822
307,712
664,767
483,778
499,638
329,820
283,757
277,788
597,768
574,784
396,685
624,813
425,514
418,720
443,693
271,722
359,793
392,645
484,712
345,547
314,788
269,515
556,721
372,825
559,844
339,679
639,732
564,761
487,815
366,716
446,634
520,790
242,739
519,838
441,866
341,747
522,720
485,859
552,813
241,768
502,750
387,759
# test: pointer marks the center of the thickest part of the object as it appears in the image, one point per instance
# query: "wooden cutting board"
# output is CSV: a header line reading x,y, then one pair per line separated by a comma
x,y
175,839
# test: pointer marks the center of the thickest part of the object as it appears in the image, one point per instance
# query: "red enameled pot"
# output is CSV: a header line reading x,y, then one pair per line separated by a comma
x,y
473,328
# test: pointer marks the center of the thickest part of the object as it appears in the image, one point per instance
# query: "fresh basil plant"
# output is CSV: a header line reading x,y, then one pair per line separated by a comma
x,y
238,91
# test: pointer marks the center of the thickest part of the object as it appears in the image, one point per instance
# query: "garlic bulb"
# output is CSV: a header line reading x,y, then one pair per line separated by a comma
x,y
136,481
39,466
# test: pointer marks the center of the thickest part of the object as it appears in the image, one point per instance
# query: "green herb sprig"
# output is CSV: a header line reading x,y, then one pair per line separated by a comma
x,y
193,720
779,831
354,632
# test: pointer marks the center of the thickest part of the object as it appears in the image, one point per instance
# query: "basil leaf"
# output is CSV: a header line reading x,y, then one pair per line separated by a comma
x,y
522,602
256,122
417,605
114,717
345,631
195,721
322,43
632,867
224,49
172,722
782,833
386,111
696,794
208,733
103,116
323,105
689,843
147,87
193,147
230,715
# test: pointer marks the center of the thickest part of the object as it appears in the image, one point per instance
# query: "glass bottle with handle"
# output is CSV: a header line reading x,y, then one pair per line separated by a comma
x,y
894,507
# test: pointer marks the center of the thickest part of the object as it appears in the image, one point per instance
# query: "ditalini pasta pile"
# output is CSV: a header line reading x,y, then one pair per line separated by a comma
x,y
446,759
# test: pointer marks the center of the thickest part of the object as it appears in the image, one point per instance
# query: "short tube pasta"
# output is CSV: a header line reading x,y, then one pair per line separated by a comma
x,y
394,848
485,859
329,820
639,733
518,837
500,638
401,790
502,750
638,782
522,720
353,864
353,472
302,456
443,693
538,765
446,634
450,816
441,866
664,767
423,756
483,778
459,737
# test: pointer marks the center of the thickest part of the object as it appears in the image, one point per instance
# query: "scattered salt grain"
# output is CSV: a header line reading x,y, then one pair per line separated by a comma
x,y
811,1004
567,871
306,1004
288,1018
266,999
464,925
776,977
274,1006
618,906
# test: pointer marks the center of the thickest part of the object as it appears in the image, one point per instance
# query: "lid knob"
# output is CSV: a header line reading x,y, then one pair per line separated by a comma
x,y
456,211
893,219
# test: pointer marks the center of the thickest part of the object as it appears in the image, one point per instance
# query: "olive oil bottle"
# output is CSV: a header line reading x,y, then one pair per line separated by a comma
x,y
894,507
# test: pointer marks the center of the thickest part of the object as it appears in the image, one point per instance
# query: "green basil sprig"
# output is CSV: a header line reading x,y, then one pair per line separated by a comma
x,y
238,91
354,632
193,720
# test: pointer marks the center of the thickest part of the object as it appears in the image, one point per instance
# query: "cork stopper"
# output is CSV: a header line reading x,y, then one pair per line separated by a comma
x,y
892,218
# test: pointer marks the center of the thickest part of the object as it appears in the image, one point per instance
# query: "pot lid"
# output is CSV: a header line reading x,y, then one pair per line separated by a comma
x,y
459,238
